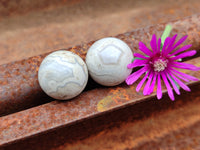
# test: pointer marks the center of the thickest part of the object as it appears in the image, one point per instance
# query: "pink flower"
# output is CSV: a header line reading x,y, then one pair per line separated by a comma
x,y
161,64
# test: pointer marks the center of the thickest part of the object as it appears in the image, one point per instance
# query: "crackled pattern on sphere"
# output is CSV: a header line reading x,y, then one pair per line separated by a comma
x,y
107,60
63,75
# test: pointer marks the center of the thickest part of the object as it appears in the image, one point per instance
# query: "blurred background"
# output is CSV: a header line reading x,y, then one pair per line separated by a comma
x,y
30,28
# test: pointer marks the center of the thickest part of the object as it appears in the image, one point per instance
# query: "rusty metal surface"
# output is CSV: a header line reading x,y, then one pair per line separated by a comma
x,y
18,80
71,122
150,124
57,114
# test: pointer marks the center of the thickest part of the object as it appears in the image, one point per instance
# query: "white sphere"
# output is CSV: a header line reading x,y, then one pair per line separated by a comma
x,y
63,75
107,61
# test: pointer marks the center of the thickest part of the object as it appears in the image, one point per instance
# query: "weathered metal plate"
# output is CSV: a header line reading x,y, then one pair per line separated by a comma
x,y
18,80
58,114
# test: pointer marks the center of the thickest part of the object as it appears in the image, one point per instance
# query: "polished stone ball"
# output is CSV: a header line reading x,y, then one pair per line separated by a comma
x,y
63,75
107,61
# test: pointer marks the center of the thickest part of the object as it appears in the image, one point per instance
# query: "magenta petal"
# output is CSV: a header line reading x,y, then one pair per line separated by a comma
x,y
137,63
178,75
141,82
169,89
180,41
185,87
153,43
181,49
140,56
159,88
182,65
144,49
130,66
146,88
152,84
164,50
185,75
173,84
135,76
185,54
169,48
159,43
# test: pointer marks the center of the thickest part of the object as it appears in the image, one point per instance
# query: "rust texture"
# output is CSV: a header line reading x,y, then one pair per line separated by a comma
x,y
19,88
57,114
153,124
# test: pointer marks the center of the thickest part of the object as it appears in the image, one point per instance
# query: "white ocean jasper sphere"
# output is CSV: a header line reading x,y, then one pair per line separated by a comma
x,y
63,75
107,61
